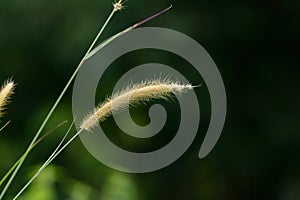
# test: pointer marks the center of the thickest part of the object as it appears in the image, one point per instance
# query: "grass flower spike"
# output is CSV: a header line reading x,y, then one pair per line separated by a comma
x,y
5,94
134,95
118,5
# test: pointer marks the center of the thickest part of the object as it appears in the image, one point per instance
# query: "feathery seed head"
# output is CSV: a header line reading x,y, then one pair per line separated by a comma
x,y
134,95
5,94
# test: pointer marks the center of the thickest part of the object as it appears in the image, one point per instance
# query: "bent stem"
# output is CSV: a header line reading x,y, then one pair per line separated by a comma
x,y
48,161
57,102
37,142
106,42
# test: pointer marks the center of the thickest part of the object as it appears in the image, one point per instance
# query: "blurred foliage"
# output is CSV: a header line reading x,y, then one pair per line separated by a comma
x,y
255,44
55,184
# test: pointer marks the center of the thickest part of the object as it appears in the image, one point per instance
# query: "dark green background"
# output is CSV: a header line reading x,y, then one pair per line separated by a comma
x,y
255,44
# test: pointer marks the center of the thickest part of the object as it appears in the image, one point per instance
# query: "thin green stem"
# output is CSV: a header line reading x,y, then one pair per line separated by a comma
x,y
28,150
56,104
57,151
3,127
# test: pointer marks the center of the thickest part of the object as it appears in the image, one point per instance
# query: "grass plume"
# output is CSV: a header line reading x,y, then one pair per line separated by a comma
x,y
134,95
117,6
5,94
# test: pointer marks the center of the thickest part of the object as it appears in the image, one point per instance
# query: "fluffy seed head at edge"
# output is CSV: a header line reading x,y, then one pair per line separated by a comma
x,y
6,92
